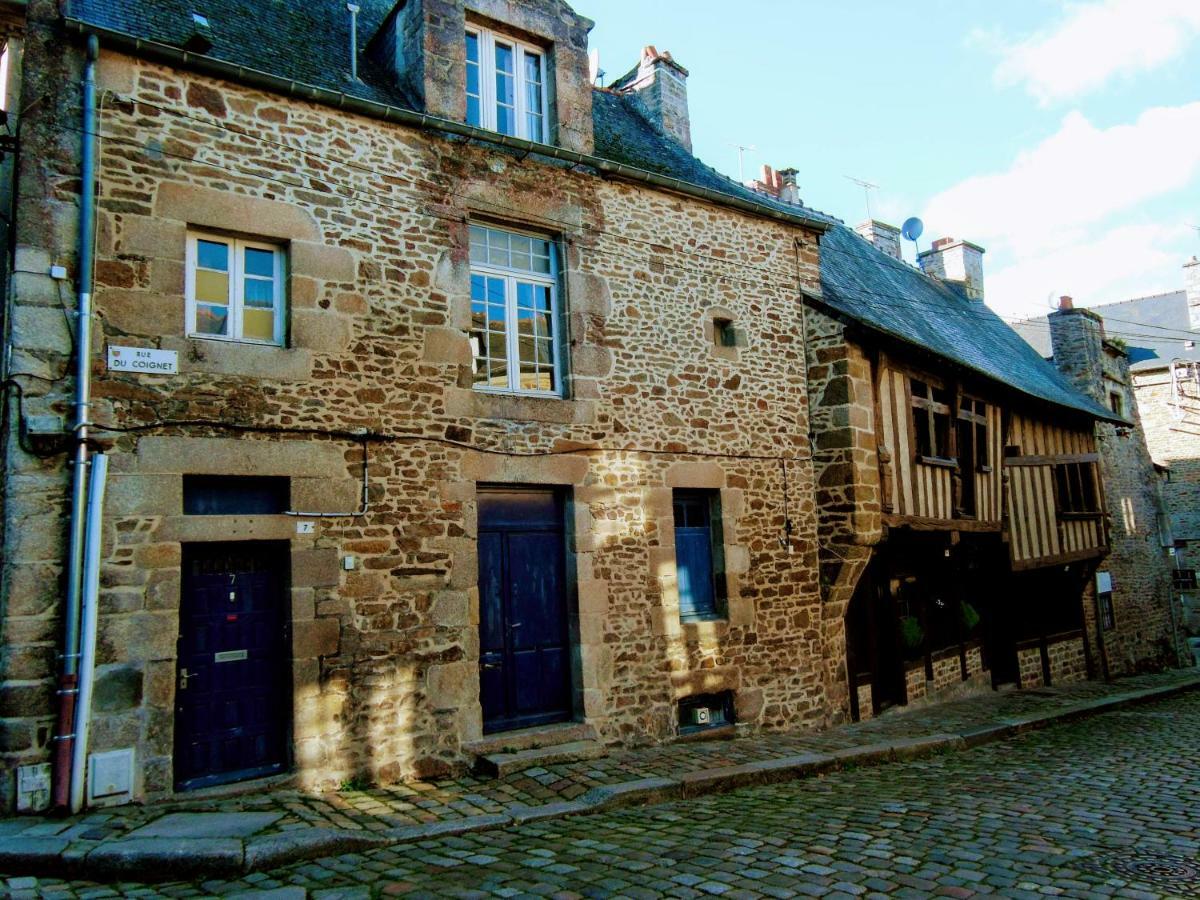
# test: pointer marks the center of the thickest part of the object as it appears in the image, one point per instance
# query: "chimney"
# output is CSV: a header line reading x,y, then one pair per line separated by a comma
x,y
885,237
1077,339
1191,284
661,84
781,185
955,261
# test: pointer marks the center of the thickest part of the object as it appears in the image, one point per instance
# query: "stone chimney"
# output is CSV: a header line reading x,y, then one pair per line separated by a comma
x,y
955,261
1191,284
885,237
781,185
1077,339
661,84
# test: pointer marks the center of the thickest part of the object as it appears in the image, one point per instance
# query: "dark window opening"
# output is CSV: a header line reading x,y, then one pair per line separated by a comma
x,y
699,554
1115,403
705,711
724,334
228,495
931,420
1075,489
1185,579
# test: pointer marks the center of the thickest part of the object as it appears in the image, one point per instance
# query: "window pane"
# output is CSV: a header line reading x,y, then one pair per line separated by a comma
x,y
533,70
212,287
474,116
260,262
212,255
504,60
259,292
258,324
474,102
472,48
478,244
506,100
212,319
533,125
498,248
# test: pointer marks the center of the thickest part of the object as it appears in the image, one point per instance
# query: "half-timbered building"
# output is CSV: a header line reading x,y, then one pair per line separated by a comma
x,y
958,491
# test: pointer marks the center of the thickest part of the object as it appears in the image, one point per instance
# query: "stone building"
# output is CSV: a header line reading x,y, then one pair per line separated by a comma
x,y
484,406
450,405
1147,365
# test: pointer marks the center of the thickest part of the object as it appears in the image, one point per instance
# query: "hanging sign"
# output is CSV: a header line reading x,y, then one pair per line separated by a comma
x,y
143,359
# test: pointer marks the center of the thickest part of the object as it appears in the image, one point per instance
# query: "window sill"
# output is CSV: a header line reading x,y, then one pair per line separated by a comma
x,y
474,404
940,462
268,362
1080,516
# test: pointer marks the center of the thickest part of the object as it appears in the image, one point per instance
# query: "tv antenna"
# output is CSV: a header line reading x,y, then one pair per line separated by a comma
x,y
867,188
912,229
741,149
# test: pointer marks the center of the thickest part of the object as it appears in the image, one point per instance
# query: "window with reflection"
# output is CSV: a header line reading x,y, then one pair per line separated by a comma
x,y
234,289
515,344
506,85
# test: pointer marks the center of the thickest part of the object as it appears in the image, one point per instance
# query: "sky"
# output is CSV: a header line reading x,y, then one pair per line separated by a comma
x,y
1063,137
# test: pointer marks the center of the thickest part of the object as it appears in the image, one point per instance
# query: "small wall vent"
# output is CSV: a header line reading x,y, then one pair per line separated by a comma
x,y
110,778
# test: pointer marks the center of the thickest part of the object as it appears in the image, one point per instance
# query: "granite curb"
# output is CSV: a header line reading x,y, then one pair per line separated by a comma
x,y
150,859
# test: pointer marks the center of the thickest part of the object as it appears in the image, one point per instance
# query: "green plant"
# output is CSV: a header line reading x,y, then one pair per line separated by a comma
x,y
357,783
970,616
911,632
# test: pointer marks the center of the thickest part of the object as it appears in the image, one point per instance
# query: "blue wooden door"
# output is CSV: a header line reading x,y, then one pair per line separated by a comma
x,y
232,697
524,653
694,567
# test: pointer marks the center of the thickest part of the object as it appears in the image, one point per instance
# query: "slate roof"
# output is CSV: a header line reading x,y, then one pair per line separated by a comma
x,y
893,298
1152,328
307,41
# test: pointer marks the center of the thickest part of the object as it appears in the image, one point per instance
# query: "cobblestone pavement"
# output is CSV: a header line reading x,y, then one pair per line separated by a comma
x,y
382,808
1104,806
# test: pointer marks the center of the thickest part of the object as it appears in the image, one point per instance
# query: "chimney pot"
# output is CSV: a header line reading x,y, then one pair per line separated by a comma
x,y
1065,302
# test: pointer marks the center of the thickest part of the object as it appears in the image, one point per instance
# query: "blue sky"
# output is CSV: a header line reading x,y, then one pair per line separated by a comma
x,y
1062,136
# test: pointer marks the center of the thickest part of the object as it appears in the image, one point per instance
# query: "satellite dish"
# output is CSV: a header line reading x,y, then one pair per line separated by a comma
x,y
912,228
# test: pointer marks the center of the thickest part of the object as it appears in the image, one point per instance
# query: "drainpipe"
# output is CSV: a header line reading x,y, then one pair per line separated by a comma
x,y
353,9
87,638
68,681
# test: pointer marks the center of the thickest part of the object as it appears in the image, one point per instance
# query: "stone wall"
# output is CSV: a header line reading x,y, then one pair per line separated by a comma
x,y
374,220
1172,426
1143,636
846,466
1068,662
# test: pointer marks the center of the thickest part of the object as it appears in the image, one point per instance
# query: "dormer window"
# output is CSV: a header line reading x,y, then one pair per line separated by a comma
x,y
506,85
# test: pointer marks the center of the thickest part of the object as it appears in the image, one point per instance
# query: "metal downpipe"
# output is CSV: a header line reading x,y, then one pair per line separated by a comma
x,y
69,678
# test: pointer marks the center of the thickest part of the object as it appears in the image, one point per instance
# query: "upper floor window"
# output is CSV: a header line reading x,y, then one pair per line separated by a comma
x,y
1115,403
931,420
506,85
1075,489
515,339
234,289
973,434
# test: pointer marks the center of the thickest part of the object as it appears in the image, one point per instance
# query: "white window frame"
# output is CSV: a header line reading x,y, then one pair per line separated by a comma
x,y
512,277
236,287
487,82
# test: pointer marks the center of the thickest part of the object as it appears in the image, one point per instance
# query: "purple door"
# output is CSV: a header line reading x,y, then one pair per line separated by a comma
x,y
232,696
524,652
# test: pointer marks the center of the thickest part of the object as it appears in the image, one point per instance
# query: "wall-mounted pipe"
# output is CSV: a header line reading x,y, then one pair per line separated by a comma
x,y
353,9
88,625
68,680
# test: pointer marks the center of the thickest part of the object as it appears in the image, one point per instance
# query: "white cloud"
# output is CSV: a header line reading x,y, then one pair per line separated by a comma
x,y
1111,265
1077,177
1094,42
1069,215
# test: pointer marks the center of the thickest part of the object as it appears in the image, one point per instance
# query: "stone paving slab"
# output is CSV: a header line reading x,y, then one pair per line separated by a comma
x,y
283,826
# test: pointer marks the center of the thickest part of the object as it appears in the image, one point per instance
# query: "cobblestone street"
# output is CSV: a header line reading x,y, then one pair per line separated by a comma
x,y
1104,806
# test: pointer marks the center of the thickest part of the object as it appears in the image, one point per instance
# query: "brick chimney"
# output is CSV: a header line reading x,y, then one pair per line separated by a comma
x,y
661,84
781,185
955,261
885,237
1191,284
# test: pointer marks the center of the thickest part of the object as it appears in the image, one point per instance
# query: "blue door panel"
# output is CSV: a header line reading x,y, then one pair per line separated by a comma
x,y
524,677
694,568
